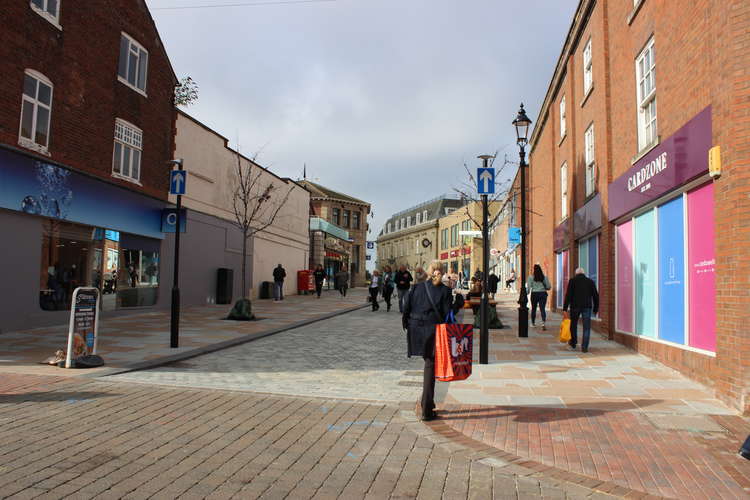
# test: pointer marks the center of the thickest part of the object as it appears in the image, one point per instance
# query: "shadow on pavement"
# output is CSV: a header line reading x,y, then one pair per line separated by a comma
x,y
47,396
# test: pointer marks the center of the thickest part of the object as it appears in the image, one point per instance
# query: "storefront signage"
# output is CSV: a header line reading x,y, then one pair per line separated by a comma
x,y
444,255
560,234
83,328
465,251
454,253
169,220
48,190
678,160
588,218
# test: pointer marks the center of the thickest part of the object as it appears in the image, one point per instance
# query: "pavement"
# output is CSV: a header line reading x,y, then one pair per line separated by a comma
x,y
327,410
141,339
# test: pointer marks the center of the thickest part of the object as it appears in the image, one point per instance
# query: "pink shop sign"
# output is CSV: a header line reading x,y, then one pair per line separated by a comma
x,y
676,161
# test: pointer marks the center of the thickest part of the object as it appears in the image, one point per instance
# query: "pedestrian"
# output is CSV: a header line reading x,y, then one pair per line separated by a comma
x,y
376,283
278,283
403,283
342,281
492,281
319,275
511,279
537,285
419,275
389,284
583,299
479,275
426,306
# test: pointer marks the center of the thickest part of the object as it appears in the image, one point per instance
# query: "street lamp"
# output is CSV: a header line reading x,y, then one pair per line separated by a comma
x,y
521,123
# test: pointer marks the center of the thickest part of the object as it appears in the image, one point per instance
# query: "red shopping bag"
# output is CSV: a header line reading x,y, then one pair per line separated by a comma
x,y
453,350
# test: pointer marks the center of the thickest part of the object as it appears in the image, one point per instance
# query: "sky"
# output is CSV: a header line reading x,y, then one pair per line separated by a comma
x,y
384,100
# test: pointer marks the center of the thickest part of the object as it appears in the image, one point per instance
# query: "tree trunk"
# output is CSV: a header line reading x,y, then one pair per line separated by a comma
x,y
244,263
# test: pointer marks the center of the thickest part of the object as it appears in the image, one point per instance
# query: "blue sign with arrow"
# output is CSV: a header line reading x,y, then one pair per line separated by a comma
x,y
486,180
177,182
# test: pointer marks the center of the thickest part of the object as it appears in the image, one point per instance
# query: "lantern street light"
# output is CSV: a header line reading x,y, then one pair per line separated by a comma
x,y
521,123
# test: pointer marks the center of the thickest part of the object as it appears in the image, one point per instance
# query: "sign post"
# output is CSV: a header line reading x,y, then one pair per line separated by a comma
x,y
84,321
177,181
485,186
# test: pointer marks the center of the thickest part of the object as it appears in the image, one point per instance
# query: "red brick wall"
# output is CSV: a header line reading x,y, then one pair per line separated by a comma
x,y
81,61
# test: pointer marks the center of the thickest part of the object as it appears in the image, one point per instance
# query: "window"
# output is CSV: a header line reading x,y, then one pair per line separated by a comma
x,y
424,216
347,216
419,218
590,165
588,77
403,222
390,228
126,161
466,226
564,190
133,63
48,9
355,220
335,216
36,109
645,74
454,235
563,130
444,238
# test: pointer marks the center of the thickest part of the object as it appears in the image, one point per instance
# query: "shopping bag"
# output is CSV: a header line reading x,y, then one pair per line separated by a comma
x,y
453,350
565,330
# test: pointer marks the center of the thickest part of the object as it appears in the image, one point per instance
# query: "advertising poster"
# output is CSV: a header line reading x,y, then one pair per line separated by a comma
x,y
645,275
625,277
702,268
672,271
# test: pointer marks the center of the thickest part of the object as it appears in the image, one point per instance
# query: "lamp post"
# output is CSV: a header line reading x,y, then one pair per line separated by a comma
x,y
521,123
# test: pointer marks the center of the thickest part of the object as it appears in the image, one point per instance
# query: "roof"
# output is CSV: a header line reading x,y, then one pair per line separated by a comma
x,y
318,191
435,209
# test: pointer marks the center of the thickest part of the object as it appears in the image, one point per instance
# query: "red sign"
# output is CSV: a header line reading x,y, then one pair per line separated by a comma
x,y
444,255
454,253
466,251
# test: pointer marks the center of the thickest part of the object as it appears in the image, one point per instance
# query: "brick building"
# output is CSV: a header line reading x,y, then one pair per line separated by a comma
x,y
86,130
344,212
642,95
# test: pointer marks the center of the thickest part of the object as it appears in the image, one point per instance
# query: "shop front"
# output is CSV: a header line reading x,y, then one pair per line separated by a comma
x,y
587,225
663,211
562,264
71,230
337,257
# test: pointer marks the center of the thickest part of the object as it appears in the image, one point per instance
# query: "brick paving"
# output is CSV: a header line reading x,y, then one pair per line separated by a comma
x,y
75,438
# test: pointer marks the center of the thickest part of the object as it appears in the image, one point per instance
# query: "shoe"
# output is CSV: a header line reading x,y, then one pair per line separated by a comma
x,y
543,326
571,347
584,350
533,325
388,309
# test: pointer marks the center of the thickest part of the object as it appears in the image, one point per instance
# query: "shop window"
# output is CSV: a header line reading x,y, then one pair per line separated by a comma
x,y
48,9
624,277
126,160
133,66
36,111
588,74
645,75
645,274
701,268
561,277
671,271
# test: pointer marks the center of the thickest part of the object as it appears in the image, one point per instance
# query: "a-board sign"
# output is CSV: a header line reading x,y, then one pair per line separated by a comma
x,y
83,328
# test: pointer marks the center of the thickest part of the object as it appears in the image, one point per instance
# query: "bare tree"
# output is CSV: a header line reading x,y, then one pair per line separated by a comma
x,y
256,201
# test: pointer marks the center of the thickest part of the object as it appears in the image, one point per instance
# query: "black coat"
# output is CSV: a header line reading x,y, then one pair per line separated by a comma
x,y
492,280
581,293
420,318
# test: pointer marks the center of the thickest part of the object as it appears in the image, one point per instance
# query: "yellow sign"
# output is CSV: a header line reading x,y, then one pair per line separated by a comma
x,y
714,161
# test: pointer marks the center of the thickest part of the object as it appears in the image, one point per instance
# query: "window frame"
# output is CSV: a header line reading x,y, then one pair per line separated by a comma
x,y
563,124
134,132
53,19
646,102
588,68
564,190
335,215
356,215
589,160
347,218
123,79
30,143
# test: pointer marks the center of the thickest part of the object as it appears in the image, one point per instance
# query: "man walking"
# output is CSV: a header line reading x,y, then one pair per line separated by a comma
x,y
342,281
278,283
583,299
403,282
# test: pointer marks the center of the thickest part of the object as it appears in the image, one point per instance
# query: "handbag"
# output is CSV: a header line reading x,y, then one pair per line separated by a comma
x,y
564,330
453,350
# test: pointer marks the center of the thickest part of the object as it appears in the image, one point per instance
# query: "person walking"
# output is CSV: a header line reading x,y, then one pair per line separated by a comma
x,y
511,279
537,285
419,275
319,275
389,284
376,283
583,299
425,307
492,281
278,283
403,283
342,281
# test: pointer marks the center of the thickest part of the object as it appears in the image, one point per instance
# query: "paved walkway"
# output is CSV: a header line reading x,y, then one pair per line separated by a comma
x,y
143,338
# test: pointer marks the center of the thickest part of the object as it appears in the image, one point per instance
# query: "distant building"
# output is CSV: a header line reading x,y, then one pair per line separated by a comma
x,y
346,213
409,237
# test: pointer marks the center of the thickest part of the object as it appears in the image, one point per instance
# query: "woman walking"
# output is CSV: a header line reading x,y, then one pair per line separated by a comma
x,y
375,285
389,284
319,274
537,285
425,307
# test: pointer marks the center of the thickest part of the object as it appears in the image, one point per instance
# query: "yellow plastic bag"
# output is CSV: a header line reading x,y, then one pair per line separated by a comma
x,y
565,330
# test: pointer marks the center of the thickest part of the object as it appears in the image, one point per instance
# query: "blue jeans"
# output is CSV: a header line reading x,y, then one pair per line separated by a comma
x,y
278,290
585,314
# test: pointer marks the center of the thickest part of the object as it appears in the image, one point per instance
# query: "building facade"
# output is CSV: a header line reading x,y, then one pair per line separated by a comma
x,y
409,237
86,131
349,214
640,103
213,240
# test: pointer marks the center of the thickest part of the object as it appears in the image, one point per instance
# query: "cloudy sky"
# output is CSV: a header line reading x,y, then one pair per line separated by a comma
x,y
381,99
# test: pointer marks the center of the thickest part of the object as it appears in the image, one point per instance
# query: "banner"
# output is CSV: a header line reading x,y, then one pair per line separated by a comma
x,y
645,275
625,277
702,268
672,271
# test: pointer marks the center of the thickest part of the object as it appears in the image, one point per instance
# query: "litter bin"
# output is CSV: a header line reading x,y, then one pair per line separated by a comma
x,y
266,289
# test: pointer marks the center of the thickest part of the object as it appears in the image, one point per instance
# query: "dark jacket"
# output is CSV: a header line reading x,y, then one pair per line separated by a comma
x,y
492,280
279,274
319,275
406,277
581,294
420,318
